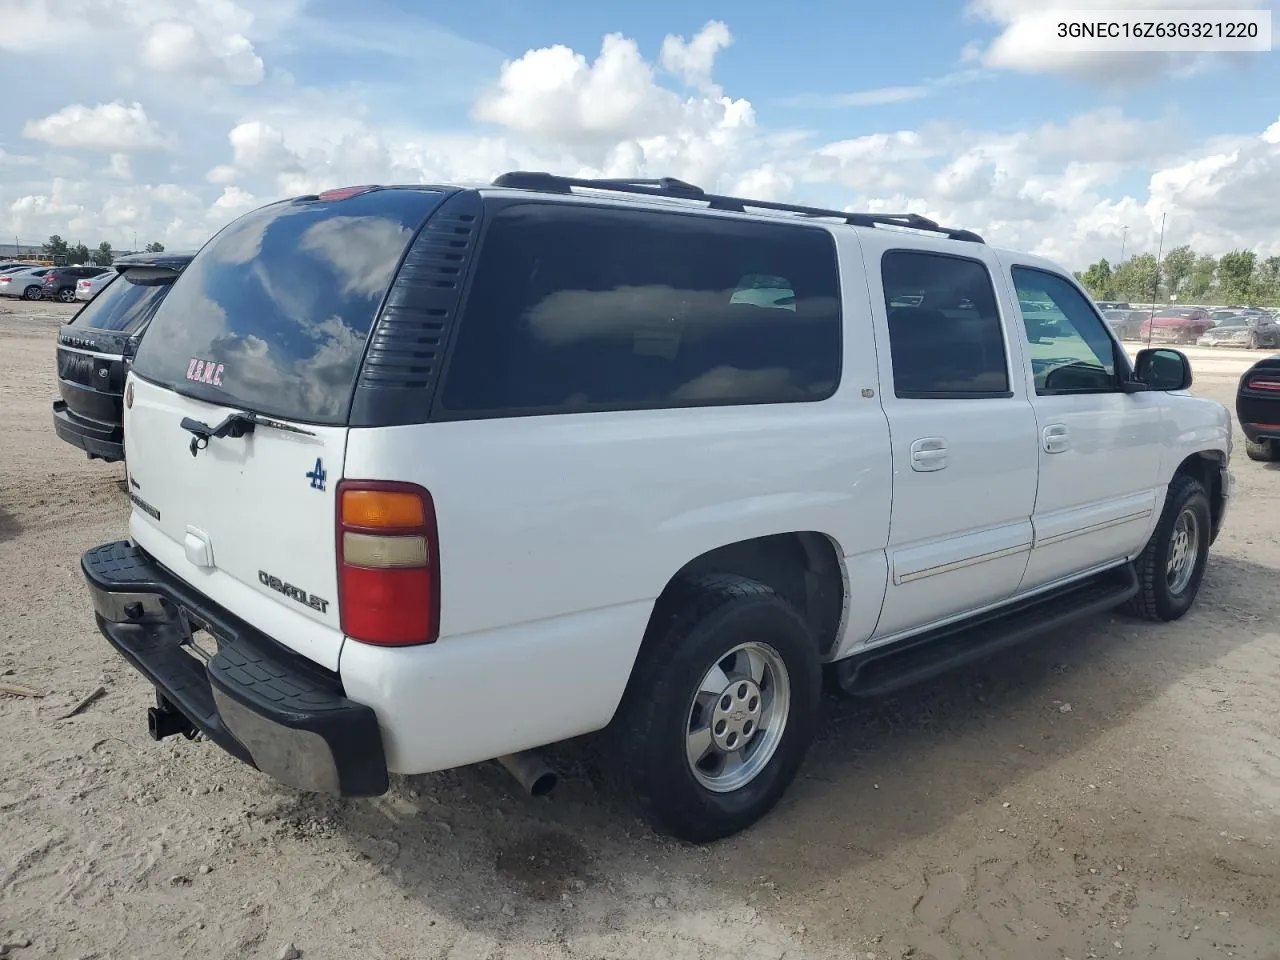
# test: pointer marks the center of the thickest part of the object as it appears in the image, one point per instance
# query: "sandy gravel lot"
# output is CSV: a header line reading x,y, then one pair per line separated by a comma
x,y
1111,791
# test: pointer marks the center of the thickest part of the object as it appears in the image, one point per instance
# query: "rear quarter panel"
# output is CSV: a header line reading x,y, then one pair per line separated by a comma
x,y
547,518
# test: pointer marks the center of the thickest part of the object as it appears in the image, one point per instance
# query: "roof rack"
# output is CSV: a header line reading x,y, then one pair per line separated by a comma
x,y
679,190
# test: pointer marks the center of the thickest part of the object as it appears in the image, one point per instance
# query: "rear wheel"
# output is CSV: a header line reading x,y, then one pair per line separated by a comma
x,y
720,710
31,293
67,295
1264,451
1171,566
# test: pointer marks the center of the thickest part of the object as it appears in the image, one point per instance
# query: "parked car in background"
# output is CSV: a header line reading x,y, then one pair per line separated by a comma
x,y
8,266
1125,322
27,284
1253,331
60,282
96,348
1105,305
90,287
1258,409
1176,325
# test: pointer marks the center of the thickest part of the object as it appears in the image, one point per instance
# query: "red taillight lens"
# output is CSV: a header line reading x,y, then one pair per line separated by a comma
x,y
1261,383
345,193
388,563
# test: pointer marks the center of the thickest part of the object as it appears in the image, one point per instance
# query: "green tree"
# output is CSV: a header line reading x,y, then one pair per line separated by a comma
x,y
1097,280
1178,264
1235,276
78,254
1135,279
155,247
1266,280
1200,284
55,248
103,255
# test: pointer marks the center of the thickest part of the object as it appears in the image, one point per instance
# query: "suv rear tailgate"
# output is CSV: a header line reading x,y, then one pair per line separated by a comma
x,y
270,320
248,521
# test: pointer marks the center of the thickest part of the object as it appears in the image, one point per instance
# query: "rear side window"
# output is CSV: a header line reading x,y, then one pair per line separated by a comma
x,y
576,308
945,337
273,313
127,302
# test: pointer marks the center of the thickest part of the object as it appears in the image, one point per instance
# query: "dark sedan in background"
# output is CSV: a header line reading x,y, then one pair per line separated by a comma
x,y
1258,409
96,348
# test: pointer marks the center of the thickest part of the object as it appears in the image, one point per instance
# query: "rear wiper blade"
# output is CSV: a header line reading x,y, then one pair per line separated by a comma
x,y
237,424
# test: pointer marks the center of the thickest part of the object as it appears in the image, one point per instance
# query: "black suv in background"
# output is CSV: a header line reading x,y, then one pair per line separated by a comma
x,y
96,348
60,282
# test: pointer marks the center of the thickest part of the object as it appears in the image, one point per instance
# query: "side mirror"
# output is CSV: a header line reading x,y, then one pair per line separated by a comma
x,y
1161,369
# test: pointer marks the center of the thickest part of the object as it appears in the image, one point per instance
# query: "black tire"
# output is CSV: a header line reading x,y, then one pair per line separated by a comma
x,y
67,294
1264,451
1157,599
32,293
646,743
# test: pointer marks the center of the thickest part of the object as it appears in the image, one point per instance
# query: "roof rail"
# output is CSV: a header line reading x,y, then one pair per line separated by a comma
x,y
678,189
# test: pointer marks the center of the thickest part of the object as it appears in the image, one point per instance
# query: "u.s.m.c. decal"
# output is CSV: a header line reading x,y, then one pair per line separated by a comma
x,y
205,371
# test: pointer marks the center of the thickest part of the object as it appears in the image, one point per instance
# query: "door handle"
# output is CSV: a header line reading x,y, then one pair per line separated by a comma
x,y
1055,438
929,454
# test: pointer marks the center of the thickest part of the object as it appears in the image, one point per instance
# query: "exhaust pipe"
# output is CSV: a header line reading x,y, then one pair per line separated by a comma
x,y
531,771
166,722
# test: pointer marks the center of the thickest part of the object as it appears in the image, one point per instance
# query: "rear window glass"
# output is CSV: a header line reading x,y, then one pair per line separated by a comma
x,y
273,313
127,302
577,308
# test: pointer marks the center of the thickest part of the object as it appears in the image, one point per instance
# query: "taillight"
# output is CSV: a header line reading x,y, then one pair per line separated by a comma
x,y
345,193
388,563
1263,383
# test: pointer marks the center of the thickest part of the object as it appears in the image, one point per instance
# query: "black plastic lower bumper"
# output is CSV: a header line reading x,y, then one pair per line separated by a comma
x,y
260,702
101,440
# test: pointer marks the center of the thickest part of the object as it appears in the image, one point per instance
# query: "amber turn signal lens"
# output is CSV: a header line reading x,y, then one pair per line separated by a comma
x,y
382,509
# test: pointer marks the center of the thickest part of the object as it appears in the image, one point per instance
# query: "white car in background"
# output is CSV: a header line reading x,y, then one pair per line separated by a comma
x,y
27,284
90,287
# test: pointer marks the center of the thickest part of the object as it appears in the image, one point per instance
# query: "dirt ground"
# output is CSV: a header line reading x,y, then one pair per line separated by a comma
x,y
1110,791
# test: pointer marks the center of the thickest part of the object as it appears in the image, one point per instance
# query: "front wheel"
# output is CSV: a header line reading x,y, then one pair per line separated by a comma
x,y
720,710
1171,566
32,293
1264,451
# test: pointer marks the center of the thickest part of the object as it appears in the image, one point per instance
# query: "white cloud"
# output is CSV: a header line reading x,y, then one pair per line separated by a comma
x,y
693,60
120,167
233,201
178,46
1028,44
113,127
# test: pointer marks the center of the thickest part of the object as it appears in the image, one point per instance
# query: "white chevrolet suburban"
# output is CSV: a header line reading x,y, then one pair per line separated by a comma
x,y
428,475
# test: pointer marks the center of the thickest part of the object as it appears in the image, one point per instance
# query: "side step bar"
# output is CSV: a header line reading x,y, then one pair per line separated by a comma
x,y
886,670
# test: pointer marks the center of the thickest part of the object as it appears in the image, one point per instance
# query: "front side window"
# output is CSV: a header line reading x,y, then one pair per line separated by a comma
x,y
1071,351
577,308
945,337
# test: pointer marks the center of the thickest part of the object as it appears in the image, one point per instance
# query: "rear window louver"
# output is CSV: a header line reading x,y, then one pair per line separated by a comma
x,y
406,348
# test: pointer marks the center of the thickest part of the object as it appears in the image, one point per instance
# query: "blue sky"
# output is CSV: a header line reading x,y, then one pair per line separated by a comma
x,y
175,115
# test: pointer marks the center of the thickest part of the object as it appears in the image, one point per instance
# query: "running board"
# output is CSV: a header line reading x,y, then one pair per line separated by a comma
x,y
888,669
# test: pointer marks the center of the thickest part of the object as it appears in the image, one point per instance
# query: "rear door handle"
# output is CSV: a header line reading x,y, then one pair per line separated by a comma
x,y
929,454
1055,438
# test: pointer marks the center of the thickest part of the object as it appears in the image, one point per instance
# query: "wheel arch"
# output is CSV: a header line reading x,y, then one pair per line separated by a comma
x,y
806,568
1207,466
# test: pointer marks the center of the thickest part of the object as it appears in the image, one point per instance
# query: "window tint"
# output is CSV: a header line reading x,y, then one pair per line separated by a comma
x,y
945,336
282,300
126,303
1071,351
577,308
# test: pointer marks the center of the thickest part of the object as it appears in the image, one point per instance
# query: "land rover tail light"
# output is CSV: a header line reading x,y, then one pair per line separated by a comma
x,y
388,563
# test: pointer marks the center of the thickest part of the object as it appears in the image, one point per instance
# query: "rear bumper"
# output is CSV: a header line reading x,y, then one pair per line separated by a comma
x,y
263,704
102,440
